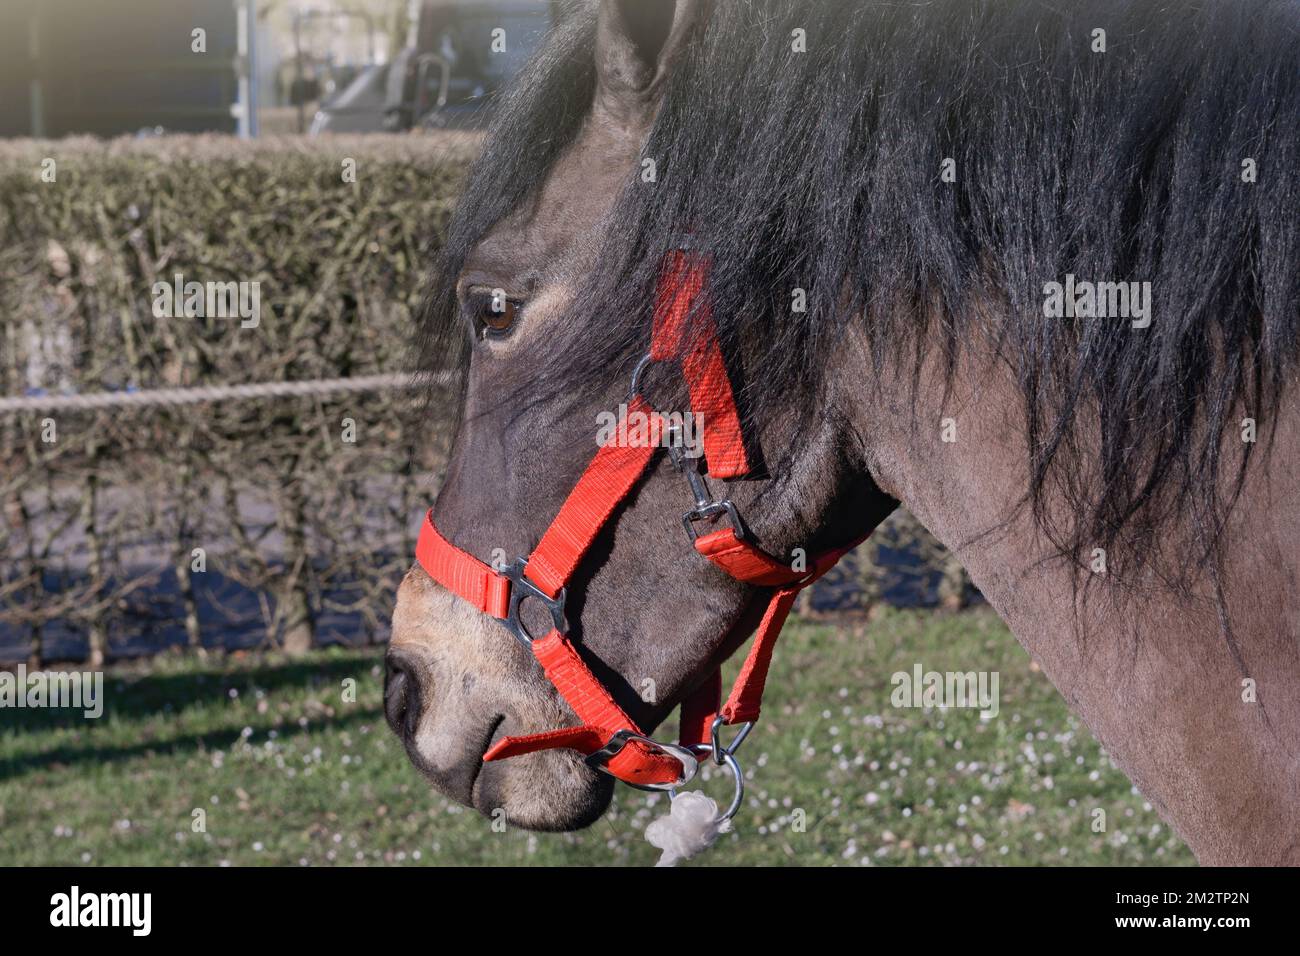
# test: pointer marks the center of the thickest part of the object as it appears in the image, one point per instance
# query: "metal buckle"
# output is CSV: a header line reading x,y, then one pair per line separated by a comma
x,y
689,465
598,759
686,756
522,588
726,757
705,506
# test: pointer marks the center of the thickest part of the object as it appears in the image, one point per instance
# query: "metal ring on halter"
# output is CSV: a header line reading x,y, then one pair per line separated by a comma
x,y
637,372
521,588
738,776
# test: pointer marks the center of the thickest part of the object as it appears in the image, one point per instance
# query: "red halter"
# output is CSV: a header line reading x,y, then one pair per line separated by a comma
x,y
607,735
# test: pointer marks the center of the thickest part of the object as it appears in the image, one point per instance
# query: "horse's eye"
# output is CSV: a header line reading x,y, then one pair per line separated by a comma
x,y
494,313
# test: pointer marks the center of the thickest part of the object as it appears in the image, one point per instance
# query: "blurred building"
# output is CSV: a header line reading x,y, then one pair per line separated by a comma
x,y
110,67
114,67
459,54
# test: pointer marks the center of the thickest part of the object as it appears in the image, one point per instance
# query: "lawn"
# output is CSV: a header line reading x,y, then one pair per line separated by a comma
x,y
279,768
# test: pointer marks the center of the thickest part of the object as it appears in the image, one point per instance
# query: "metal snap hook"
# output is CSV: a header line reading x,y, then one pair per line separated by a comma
x,y
715,738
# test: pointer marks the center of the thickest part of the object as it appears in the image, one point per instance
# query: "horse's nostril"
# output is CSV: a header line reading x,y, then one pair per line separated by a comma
x,y
401,695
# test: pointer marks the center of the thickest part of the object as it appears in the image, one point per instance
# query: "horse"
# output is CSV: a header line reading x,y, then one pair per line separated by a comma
x,y
886,205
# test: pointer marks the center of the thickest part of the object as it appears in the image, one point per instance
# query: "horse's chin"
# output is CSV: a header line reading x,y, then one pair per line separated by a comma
x,y
456,683
551,791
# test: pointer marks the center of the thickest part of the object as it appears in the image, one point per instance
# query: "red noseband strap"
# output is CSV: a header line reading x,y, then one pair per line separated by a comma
x,y
609,737
461,573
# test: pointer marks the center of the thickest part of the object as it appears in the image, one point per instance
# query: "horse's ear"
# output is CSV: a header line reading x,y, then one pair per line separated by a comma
x,y
636,43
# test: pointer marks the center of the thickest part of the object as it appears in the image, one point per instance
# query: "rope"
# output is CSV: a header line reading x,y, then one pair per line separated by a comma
x,y
215,393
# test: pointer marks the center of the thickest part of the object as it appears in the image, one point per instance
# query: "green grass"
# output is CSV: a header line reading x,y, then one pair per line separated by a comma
x,y
287,772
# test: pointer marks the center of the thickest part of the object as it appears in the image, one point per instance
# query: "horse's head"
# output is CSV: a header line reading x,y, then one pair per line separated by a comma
x,y
650,615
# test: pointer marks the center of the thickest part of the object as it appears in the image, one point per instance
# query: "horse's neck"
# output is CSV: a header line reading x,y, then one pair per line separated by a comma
x,y
958,462
1148,671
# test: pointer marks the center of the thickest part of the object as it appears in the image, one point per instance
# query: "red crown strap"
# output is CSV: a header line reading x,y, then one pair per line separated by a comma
x,y
712,398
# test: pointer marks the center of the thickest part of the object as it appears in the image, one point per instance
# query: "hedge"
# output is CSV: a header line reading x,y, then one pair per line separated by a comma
x,y
295,521
239,522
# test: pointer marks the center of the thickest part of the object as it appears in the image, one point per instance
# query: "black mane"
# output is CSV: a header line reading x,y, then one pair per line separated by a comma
x,y
821,170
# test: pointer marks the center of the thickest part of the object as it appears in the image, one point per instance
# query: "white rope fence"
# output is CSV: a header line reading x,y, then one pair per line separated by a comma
x,y
401,381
